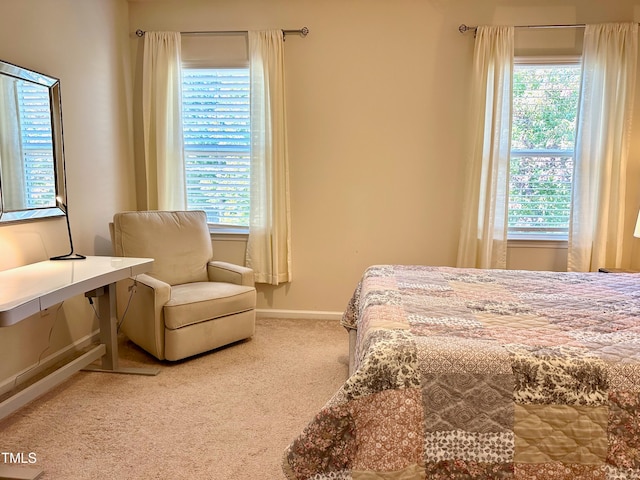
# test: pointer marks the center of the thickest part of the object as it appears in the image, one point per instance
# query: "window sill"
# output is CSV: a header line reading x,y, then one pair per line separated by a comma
x,y
538,241
229,234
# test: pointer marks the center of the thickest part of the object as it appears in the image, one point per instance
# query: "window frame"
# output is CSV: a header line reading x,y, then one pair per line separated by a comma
x,y
220,231
532,238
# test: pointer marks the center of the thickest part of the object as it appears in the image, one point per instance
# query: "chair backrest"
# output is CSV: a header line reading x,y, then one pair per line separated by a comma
x,y
179,242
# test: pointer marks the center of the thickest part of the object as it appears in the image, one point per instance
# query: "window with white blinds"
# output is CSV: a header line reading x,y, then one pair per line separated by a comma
x,y
35,141
216,131
545,107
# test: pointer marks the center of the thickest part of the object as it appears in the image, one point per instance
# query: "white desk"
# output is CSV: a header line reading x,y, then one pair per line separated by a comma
x,y
28,290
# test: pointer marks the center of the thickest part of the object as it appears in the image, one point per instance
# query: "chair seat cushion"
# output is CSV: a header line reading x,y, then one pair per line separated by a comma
x,y
198,302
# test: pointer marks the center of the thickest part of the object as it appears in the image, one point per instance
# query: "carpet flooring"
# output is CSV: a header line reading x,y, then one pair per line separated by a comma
x,y
225,415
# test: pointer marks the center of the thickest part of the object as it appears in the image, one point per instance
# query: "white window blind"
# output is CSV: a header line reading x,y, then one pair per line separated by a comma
x,y
37,149
545,105
216,130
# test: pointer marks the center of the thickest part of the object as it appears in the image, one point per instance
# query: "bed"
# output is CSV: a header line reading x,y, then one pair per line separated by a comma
x,y
470,374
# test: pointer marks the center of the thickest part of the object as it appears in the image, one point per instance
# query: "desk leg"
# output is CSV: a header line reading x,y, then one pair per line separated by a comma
x,y
109,334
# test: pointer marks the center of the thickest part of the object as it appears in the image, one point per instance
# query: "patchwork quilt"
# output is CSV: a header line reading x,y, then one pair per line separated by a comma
x,y
483,374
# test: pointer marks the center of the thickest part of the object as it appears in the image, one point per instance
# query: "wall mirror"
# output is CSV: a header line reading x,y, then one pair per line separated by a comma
x,y
32,173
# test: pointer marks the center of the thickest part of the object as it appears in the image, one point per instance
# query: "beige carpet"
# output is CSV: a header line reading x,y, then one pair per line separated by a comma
x,y
225,415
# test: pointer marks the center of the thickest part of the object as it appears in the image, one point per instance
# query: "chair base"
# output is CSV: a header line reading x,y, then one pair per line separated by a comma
x,y
204,336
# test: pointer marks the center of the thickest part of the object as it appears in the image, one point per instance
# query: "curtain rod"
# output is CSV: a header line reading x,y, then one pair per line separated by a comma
x,y
303,32
464,28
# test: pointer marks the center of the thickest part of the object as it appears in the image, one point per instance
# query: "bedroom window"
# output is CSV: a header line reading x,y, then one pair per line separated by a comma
x,y
216,132
545,107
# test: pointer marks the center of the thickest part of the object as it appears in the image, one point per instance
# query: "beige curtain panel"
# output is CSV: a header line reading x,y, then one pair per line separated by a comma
x,y
269,245
596,232
483,237
162,123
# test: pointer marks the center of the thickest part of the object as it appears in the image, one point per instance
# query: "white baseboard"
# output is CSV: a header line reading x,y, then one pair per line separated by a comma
x,y
303,314
28,373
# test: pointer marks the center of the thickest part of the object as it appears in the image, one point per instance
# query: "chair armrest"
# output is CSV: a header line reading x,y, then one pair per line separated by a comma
x,y
230,273
143,298
162,289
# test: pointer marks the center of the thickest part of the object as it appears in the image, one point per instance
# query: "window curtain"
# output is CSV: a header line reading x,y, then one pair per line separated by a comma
x,y
269,244
596,232
162,123
483,237
11,155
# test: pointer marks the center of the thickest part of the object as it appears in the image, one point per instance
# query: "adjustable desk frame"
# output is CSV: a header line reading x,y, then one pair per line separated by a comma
x,y
28,290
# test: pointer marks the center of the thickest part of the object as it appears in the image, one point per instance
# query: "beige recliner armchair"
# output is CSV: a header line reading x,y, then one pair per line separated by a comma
x,y
187,304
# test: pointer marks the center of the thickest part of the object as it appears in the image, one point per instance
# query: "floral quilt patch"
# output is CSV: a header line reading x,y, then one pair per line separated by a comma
x,y
483,374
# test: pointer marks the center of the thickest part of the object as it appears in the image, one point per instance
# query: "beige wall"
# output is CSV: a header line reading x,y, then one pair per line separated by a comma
x,y
377,114
377,108
85,45
374,127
